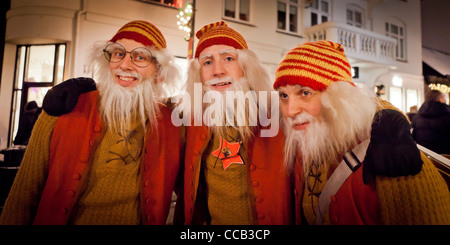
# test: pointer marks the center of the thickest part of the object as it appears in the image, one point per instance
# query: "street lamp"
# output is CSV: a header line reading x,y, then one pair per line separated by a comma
x,y
186,20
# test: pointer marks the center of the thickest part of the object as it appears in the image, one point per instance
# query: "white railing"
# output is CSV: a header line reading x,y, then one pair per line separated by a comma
x,y
358,43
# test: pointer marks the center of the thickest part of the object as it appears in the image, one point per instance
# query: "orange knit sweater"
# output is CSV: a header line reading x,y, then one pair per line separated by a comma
x,y
110,194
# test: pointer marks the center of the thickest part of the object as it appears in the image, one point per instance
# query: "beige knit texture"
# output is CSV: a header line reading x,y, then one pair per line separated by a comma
x,y
421,199
228,190
110,194
111,191
24,196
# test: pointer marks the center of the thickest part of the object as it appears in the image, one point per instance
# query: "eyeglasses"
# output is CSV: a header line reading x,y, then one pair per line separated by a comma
x,y
115,53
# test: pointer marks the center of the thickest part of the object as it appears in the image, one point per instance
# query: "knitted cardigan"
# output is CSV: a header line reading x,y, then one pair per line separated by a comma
x,y
28,201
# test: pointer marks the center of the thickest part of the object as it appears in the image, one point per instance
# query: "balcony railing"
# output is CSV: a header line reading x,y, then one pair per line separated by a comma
x,y
358,43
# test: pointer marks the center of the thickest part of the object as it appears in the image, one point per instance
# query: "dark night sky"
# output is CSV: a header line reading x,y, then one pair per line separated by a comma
x,y
436,24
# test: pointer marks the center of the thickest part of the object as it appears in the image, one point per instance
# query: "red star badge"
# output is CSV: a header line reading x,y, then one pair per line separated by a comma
x,y
228,153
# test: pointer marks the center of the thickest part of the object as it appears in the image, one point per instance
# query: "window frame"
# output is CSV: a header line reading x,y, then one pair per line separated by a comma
x,y
163,3
22,84
237,12
320,14
353,9
287,19
396,91
400,36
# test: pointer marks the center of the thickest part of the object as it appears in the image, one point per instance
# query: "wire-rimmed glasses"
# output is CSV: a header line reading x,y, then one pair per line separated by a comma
x,y
141,57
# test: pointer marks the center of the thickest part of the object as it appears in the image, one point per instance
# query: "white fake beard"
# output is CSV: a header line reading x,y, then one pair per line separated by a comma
x,y
226,110
345,120
120,106
315,143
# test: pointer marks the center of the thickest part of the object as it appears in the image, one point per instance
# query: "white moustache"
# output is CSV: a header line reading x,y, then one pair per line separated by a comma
x,y
301,118
217,81
119,72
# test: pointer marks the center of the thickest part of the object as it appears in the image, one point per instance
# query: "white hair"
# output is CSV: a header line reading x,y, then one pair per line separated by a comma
x,y
346,118
118,105
256,78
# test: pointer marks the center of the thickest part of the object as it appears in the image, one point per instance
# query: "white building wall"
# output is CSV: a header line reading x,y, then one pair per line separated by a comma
x,y
410,70
6,92
79,23
260,33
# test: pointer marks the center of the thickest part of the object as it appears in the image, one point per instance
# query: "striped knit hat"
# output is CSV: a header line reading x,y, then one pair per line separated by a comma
x,y
218,33
315,65
143,32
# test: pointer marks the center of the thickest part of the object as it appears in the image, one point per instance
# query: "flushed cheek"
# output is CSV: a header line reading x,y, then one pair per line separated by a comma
x,y
315,112
205,76
148,72
314,107
284,110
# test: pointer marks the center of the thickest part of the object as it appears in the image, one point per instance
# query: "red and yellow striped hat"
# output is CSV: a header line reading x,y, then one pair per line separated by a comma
x,y
143,32
315,65
218,33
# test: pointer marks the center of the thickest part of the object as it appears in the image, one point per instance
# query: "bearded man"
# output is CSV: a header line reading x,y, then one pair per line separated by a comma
x,y
233,175
331,131
108,160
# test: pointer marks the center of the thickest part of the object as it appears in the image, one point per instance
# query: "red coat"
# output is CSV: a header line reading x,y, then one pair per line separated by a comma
x,y
75,139
269,182
354,204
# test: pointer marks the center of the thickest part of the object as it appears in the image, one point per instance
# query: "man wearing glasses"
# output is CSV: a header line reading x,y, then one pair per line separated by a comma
x,y
92,165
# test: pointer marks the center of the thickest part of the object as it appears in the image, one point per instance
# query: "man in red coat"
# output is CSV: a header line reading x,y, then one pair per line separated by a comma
x,y
334,145
114,158
234,173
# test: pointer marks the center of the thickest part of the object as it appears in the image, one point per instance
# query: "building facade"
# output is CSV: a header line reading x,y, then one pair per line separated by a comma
x,y
49,41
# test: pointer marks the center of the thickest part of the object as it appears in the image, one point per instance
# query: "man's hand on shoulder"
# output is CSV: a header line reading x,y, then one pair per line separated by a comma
x,y
62,98
392,151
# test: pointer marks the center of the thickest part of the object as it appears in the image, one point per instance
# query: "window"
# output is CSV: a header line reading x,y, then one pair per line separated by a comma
x,y
38,68
287,15
320,12
183,64
412,98
397,31
355,16
172,3
237,10
395,97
